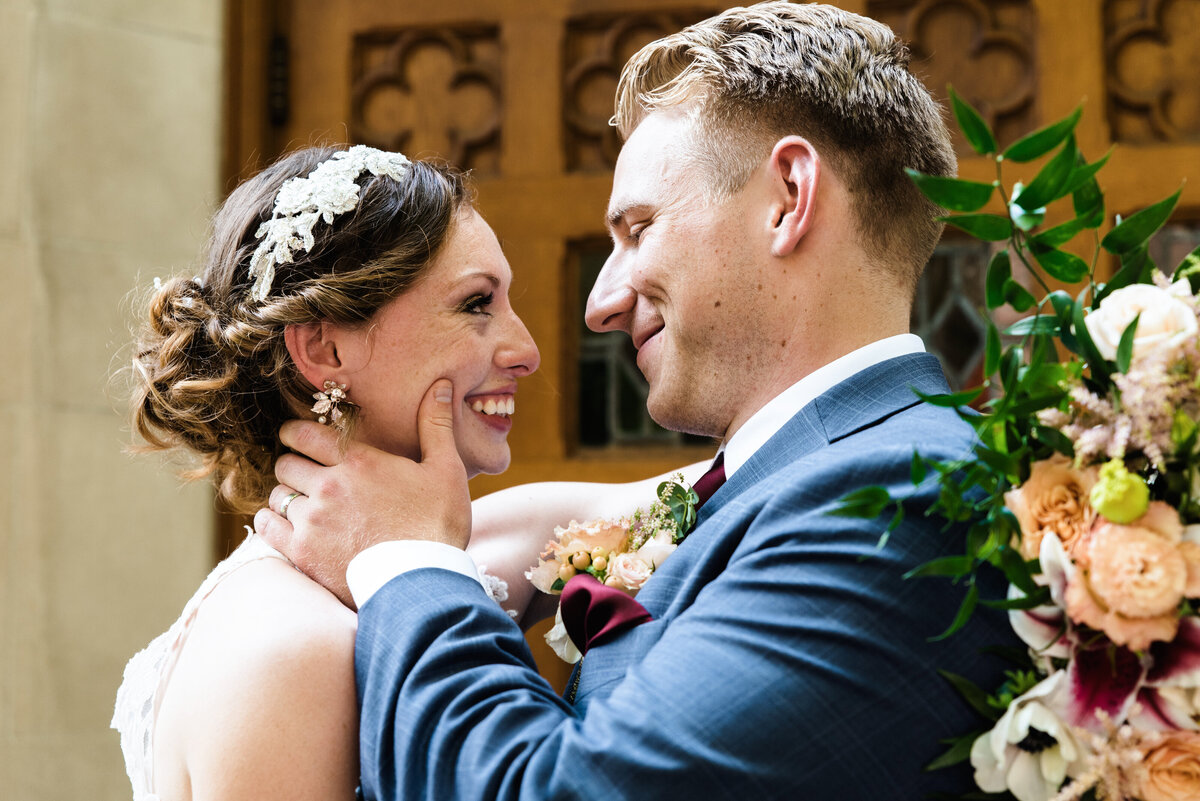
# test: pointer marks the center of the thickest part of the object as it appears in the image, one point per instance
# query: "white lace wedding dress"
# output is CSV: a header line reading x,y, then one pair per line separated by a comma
x,y
148,672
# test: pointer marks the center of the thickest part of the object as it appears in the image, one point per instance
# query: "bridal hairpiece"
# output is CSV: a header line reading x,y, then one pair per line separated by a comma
x,y
329,190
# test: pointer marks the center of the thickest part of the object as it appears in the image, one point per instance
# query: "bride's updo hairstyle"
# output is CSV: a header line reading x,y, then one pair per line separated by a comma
x,y
211,372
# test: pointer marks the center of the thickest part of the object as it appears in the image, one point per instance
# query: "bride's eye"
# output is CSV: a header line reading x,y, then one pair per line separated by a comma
x,y
477,304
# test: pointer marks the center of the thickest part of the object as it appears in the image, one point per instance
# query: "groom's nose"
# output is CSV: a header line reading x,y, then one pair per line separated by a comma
x,y
611,302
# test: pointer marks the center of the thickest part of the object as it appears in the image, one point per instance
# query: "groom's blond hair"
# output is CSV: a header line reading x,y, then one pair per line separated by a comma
x,y
750,76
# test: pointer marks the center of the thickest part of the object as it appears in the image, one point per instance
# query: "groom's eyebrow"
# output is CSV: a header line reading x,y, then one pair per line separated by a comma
x,y
619,213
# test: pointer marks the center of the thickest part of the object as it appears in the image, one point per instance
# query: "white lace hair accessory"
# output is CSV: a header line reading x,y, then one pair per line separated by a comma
x,y
329,190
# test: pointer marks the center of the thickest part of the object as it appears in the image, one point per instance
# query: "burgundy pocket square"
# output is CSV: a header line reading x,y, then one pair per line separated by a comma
x,y
592,613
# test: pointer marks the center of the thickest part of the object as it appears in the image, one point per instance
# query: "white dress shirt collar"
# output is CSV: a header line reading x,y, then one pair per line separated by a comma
x,y
764,423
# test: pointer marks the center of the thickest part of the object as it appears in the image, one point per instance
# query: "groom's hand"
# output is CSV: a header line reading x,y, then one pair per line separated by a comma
x,y
353,499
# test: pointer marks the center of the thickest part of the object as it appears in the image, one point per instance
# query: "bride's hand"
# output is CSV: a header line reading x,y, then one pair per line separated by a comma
x,y
363,496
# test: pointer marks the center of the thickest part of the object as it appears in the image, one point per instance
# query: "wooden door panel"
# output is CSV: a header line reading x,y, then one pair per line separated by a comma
x,y
520,91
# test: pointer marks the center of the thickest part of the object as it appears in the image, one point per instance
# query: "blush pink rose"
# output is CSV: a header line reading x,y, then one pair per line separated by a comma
x,y
629,571
1053,499
1171,769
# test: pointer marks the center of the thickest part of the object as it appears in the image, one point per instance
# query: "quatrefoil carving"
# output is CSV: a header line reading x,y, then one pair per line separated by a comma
x,y
1150,48
425,91
597,47
984,49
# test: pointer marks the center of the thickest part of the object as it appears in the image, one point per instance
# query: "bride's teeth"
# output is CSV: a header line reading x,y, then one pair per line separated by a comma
x,y
489,407
512,406
477,406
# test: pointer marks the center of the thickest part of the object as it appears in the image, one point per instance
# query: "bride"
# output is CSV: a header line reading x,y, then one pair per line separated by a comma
x,y
359,277
355,279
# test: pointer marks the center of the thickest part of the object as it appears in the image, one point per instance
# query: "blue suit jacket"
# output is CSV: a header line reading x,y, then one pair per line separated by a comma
x,y
787,657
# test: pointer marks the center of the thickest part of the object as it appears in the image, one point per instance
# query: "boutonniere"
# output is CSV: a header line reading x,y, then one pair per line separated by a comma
x,y
621,553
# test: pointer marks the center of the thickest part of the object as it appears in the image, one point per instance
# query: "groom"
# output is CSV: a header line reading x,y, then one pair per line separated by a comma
x,y
766,248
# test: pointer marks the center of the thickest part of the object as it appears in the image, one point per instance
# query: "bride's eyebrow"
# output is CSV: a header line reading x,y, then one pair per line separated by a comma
x,y
491,277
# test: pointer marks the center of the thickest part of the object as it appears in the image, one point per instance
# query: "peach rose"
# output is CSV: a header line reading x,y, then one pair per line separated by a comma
x,y
1053,499
1166,322
1171,769
1133,583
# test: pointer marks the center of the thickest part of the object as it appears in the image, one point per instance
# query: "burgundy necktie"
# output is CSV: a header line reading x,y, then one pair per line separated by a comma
x,y
593,613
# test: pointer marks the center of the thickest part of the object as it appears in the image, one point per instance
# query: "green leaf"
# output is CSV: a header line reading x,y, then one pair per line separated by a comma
x,y
1010,366
1020,298
1054,438
1060,234
973,126
988,227
917,470
999,272
1088,202
965,611
945,566
1087,348
952,399
1039,598
1038,324
1063,305
1025,220
1050,182
1043,140
954,194
1189,268
972,693
1083,173
1125,346
1136,268
868,502
1066,267
991,350
1002,463
959,751
1017,571
1138,228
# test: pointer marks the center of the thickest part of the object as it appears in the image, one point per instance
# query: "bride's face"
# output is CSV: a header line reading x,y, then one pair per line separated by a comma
x,y
456,323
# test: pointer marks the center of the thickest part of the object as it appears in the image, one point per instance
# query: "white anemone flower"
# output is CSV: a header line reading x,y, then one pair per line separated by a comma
x,y
1031,751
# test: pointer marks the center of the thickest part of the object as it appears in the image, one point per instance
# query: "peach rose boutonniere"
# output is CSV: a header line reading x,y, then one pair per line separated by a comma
x,y
621,553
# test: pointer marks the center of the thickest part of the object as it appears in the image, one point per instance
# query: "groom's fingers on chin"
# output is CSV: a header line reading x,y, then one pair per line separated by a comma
x,y
318,442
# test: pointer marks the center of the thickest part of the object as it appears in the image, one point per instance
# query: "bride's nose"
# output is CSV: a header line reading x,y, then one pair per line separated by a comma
x,y
519,354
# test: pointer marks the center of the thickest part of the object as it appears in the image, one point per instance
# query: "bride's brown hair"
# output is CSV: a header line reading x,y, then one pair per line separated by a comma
x,y
211,372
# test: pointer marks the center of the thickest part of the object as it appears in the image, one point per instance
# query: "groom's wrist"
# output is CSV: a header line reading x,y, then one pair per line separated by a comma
x,y
376,566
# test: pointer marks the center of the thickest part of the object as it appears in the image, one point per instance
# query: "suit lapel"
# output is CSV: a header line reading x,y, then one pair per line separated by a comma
x,y
859,402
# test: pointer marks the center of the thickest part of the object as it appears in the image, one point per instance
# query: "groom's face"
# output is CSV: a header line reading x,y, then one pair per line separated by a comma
x,y
682,280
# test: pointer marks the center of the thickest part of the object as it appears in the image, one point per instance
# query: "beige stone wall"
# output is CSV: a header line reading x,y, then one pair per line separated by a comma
x,y
109,132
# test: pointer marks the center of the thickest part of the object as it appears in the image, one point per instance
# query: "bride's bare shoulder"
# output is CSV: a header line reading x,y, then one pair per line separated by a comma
x,y
263,692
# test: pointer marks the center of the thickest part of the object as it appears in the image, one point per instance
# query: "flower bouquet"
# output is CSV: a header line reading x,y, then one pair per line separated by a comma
x,y
1083,488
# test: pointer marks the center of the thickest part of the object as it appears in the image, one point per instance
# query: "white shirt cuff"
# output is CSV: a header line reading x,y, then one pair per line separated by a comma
x,y
370,570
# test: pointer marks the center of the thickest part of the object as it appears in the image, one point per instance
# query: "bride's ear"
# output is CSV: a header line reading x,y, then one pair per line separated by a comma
x,y
314,350
795,172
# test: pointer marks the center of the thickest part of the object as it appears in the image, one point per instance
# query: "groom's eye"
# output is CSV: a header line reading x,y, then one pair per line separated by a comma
x,y
635,232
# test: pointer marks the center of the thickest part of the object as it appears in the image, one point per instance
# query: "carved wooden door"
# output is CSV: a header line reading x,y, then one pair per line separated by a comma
x,y
520,91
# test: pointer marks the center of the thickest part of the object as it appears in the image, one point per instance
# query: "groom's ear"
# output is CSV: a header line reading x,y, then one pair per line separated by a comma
x,y
794,170
314,350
